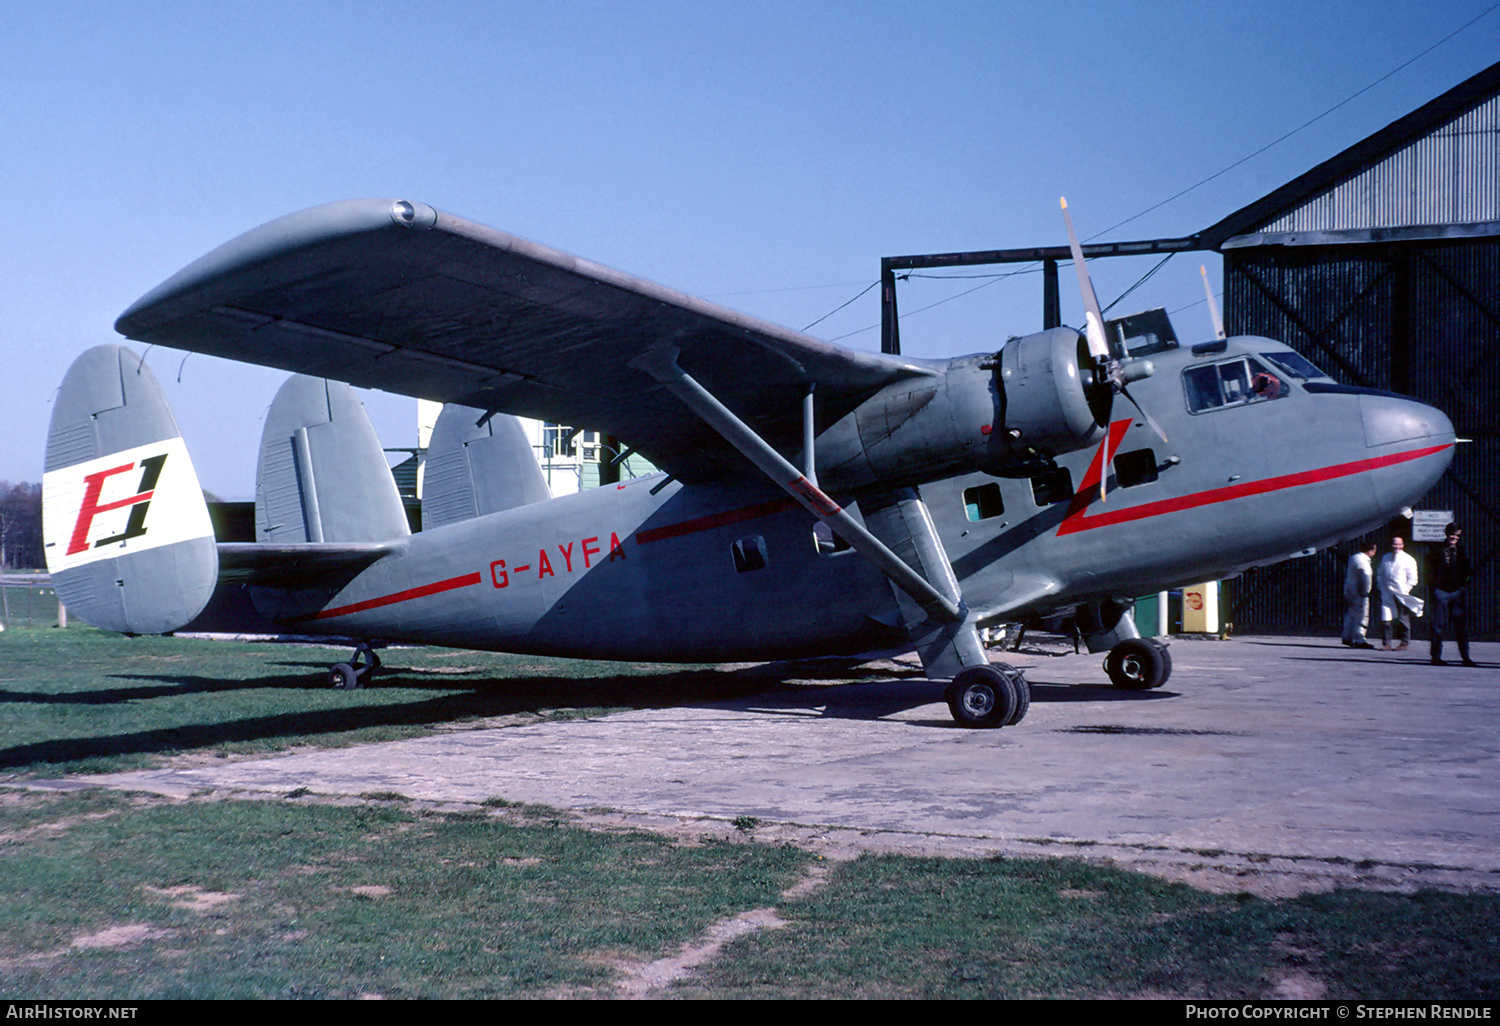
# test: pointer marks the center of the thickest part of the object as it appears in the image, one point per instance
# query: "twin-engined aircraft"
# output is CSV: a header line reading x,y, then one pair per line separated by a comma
x,y
812,500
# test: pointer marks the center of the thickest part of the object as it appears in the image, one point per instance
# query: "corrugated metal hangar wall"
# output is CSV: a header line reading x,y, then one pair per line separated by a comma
x,y
1382,265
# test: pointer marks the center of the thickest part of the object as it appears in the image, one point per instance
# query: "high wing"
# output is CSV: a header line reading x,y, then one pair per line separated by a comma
x,y
397,296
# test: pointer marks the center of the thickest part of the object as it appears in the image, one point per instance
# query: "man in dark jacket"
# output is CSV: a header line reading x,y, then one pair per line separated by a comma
x,y
1448,570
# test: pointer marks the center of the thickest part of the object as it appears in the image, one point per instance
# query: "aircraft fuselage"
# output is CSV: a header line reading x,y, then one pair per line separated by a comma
x,y
652,569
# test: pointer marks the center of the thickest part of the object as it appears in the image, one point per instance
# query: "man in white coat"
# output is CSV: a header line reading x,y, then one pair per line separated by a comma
x,y
1358,577
1396,578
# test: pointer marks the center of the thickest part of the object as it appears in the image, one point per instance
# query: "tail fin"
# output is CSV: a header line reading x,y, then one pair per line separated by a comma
x,y
477,465
128,539
323,476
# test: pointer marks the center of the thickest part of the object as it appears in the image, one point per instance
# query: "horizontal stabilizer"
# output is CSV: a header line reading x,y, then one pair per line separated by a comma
x,y
292,566
323,476
476,465
128,539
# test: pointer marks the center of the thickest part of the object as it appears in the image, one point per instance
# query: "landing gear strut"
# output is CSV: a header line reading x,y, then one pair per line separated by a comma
x,y
355,674
989,696
1138,664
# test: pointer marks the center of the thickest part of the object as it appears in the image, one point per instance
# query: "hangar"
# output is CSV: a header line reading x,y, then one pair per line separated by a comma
x,y
1382,265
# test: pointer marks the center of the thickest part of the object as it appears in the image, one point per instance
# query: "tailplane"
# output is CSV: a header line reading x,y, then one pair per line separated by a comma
x,y
129,543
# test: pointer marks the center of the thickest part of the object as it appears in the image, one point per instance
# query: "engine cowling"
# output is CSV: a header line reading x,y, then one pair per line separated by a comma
x,y
1006,413
1050,401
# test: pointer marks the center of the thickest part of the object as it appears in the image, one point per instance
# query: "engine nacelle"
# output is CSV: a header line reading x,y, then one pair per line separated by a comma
x,y
1006,413
1049,401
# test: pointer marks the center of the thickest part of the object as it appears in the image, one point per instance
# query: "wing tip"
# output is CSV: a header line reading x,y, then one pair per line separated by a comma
x,y
305,228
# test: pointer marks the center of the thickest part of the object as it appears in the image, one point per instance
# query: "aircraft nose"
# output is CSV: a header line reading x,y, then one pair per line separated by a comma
x,y
1412,443
1390,419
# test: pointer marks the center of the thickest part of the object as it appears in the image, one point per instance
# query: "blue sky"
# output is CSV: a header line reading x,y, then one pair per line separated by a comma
x,y
765,155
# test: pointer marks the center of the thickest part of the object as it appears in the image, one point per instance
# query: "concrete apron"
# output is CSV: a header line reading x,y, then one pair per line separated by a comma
x,y
1272,765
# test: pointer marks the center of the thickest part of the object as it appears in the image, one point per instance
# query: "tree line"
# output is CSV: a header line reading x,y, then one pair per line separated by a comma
x,y
21,526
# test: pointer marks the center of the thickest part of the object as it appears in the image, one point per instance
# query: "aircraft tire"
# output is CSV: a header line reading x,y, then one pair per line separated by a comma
x,y
344,677
983,697
1166,656
1023,696
1137,664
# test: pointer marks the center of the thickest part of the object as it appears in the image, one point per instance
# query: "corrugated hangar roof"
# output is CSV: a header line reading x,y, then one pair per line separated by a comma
x,y
1434,173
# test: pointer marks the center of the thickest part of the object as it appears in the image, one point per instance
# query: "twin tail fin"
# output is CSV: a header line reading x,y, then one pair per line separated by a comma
x,y
127,535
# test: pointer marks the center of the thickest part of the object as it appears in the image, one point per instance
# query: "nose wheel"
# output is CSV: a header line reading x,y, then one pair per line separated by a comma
x,y
356,673
989,696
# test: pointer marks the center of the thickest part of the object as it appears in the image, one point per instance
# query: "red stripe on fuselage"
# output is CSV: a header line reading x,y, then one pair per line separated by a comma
x,y
733,516
401,596
1076,520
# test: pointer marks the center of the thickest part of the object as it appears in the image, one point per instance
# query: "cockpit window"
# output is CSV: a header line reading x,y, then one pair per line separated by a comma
x,y
1231,383
1294,364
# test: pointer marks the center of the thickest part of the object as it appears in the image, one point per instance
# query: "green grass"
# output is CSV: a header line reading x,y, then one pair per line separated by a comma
x,y
83,700
894,927
109,896
113,896
106,895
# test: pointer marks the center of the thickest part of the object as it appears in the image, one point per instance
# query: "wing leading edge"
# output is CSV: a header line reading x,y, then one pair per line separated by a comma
x,y
397,296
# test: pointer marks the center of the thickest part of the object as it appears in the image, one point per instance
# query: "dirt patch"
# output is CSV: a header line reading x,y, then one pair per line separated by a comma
x,y
190,897
1299,987
122,936
50,829
640,980
116,936
370,890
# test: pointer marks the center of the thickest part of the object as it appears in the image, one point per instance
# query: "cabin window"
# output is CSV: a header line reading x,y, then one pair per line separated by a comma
x,y
1231,383
1135,468
1053,486
749,554
983,502
826,541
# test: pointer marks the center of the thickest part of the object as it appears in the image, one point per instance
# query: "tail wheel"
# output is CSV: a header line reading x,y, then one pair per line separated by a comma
x,y
1137,664
988,696
356,673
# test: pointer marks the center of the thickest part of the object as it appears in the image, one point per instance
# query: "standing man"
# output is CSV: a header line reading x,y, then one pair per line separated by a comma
x,y
1396,578
1449,567
1358,577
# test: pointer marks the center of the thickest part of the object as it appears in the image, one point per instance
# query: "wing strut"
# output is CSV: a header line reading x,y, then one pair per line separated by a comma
x,y
661,363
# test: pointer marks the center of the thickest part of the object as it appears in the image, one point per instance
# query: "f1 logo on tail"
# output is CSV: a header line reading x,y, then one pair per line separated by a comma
x,y
131,500
140,501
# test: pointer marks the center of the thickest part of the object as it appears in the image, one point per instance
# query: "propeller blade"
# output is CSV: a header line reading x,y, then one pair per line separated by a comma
x,y
1150,421
1213,307
1093,316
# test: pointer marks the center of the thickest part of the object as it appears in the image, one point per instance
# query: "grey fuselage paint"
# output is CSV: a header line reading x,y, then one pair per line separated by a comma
x,y
731,571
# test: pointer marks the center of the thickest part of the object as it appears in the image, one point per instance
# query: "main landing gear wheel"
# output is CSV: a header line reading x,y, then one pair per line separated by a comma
x,y
1138,664
355,674
989,696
